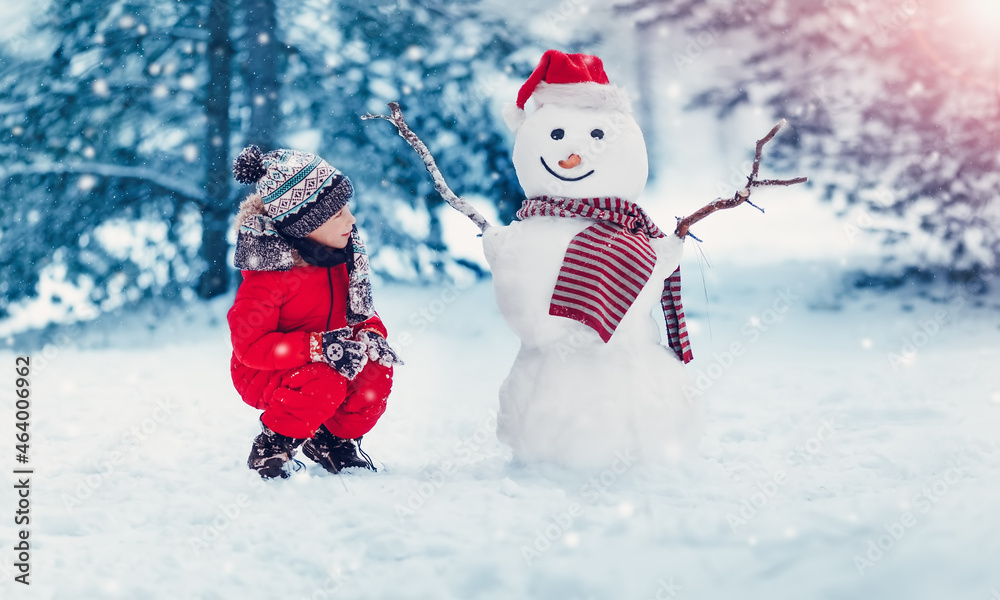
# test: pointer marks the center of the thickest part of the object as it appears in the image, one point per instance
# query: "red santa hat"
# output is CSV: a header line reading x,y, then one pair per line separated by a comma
x,y
569,79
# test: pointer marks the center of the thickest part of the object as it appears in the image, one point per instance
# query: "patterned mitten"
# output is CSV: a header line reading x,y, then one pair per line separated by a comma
x,y
378,349
345,355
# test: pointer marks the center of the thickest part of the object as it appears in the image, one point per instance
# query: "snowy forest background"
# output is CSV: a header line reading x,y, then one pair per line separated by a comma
x,y
119,121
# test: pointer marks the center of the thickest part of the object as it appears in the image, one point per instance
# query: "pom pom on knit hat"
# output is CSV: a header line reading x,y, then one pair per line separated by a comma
x,y
249,165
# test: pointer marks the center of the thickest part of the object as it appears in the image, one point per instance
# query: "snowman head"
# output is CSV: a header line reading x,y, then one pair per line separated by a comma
x,y
581,141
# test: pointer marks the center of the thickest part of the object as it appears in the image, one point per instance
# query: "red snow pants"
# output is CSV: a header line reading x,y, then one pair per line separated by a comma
x,y
313,395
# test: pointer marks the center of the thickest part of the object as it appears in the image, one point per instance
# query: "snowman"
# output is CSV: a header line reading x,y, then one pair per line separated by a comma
x,y
588,283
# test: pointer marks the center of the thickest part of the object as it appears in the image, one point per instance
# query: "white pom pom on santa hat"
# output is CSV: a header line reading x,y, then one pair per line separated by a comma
x,y
569,79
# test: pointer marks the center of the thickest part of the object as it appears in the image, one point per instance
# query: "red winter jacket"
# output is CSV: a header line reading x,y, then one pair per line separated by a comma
x,y
273,316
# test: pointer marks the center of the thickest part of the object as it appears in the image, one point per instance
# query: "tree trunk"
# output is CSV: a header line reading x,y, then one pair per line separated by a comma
x,y
261,72
215,212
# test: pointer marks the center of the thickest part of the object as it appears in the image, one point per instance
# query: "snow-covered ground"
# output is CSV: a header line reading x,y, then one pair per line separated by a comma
x,y
851,452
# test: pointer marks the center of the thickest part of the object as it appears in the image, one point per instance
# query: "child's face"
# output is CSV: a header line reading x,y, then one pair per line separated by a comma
x,y
336,232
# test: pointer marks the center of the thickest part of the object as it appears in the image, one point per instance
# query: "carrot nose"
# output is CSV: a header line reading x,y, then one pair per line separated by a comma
x,y
570,162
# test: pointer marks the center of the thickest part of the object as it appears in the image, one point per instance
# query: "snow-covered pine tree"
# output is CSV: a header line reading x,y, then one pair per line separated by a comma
x,y
105,138
893,110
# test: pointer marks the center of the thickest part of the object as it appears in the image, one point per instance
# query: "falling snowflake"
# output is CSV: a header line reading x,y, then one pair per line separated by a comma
x,y
86,183
100,88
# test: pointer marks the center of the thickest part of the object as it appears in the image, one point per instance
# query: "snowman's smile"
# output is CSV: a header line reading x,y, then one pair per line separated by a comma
x,y
558,176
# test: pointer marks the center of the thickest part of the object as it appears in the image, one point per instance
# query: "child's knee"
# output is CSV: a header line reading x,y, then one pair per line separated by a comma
x,y
373,377
370,398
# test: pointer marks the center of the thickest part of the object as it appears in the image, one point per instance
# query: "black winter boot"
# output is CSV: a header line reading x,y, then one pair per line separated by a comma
x,y
270,453
334,453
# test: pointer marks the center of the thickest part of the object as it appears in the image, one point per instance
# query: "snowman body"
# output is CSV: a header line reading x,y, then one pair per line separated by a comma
x,y
572,398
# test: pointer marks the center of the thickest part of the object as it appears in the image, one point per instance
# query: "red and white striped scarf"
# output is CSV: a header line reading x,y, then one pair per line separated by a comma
x,y
607,264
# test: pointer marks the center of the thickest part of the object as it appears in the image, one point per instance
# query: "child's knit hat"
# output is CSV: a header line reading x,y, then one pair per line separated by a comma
x,y
300,190
296,193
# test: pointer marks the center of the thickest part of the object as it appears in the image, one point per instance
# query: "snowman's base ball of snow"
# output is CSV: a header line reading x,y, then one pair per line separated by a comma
x,y
572,409
571,398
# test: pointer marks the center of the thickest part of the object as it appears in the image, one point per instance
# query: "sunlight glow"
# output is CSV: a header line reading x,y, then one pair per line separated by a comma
x,y
985,12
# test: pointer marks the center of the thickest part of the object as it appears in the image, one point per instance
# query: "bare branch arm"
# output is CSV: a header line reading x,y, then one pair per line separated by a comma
x,y
770,182
760,148
459,204
741,196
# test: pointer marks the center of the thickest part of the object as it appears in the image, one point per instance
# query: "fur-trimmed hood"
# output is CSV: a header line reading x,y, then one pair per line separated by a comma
x,y
251,208
252,205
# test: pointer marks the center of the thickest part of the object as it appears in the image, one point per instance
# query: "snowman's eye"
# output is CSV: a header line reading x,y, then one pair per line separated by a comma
x,y
597,134
557,134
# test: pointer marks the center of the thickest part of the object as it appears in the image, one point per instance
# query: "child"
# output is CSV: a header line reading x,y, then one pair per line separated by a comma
x,y
308,348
